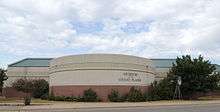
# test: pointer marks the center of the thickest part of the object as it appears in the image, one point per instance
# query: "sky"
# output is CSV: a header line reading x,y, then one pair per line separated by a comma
x,y
146,28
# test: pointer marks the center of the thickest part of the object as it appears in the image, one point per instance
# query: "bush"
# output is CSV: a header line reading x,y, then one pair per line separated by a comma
x,y
71,98
40,88
84,98
162,90
135,95
45,96
59,98
114,96
80,99
89,96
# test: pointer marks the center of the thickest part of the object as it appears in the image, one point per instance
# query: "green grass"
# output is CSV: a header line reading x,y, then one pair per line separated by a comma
x,y
9,100
41,101
15,100
209,98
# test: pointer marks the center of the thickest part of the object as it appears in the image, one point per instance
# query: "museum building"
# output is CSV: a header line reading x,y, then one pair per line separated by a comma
x,y
71,75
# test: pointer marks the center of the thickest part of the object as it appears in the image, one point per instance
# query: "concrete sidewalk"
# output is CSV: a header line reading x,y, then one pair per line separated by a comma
x,y
79,105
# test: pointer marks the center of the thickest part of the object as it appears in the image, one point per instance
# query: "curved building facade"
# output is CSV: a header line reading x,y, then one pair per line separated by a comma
x,y
71,75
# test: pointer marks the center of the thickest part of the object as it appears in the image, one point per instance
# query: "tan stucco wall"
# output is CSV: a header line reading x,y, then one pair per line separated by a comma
x,y
15,73
101,69
100,77
112,58
161,73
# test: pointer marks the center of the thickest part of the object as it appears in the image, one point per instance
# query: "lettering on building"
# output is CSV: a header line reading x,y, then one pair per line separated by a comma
x,y
130,77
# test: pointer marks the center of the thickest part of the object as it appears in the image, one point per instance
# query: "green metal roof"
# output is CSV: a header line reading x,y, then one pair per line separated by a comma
x,y
163,63
167,63
217,68
32,62
45,62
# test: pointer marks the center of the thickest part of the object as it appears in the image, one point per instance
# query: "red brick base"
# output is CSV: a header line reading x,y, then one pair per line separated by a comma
x,y
10,92
102,91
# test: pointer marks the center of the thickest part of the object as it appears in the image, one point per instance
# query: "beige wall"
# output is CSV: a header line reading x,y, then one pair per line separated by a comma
x,y
100,77
101,61
15,73
112,58
101,69
161,73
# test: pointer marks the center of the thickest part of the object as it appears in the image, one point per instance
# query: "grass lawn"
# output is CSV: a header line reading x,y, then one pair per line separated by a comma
x,y
209,98
15,100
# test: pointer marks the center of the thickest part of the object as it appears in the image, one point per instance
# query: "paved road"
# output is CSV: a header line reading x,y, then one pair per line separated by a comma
x,y
183,108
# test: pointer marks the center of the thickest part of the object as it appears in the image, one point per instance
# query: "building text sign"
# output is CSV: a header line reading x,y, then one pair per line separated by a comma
x,y
130,77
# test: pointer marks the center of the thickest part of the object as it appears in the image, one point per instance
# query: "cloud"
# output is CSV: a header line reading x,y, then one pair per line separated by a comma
x,y
149,28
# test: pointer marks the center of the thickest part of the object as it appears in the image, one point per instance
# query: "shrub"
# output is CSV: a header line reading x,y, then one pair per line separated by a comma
x,y
40,88
71,98
59,98
45,96
80,99
89,96
135,95
162,90
114,96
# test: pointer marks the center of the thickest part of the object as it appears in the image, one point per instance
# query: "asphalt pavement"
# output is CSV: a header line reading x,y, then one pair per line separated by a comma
x,y
179,108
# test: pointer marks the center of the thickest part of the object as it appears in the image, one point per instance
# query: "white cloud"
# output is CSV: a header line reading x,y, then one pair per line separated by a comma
x,y
31,28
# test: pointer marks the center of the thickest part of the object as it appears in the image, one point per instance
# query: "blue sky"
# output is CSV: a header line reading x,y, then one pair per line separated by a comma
x,y
147,28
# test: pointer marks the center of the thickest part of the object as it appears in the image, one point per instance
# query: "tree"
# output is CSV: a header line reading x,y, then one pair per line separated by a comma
x,y
25,86
197,75
3,77
40,88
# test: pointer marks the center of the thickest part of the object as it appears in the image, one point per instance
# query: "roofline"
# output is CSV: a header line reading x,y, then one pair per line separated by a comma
x,y
16,62
39,58
118,54
29,66
162,59
11,65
